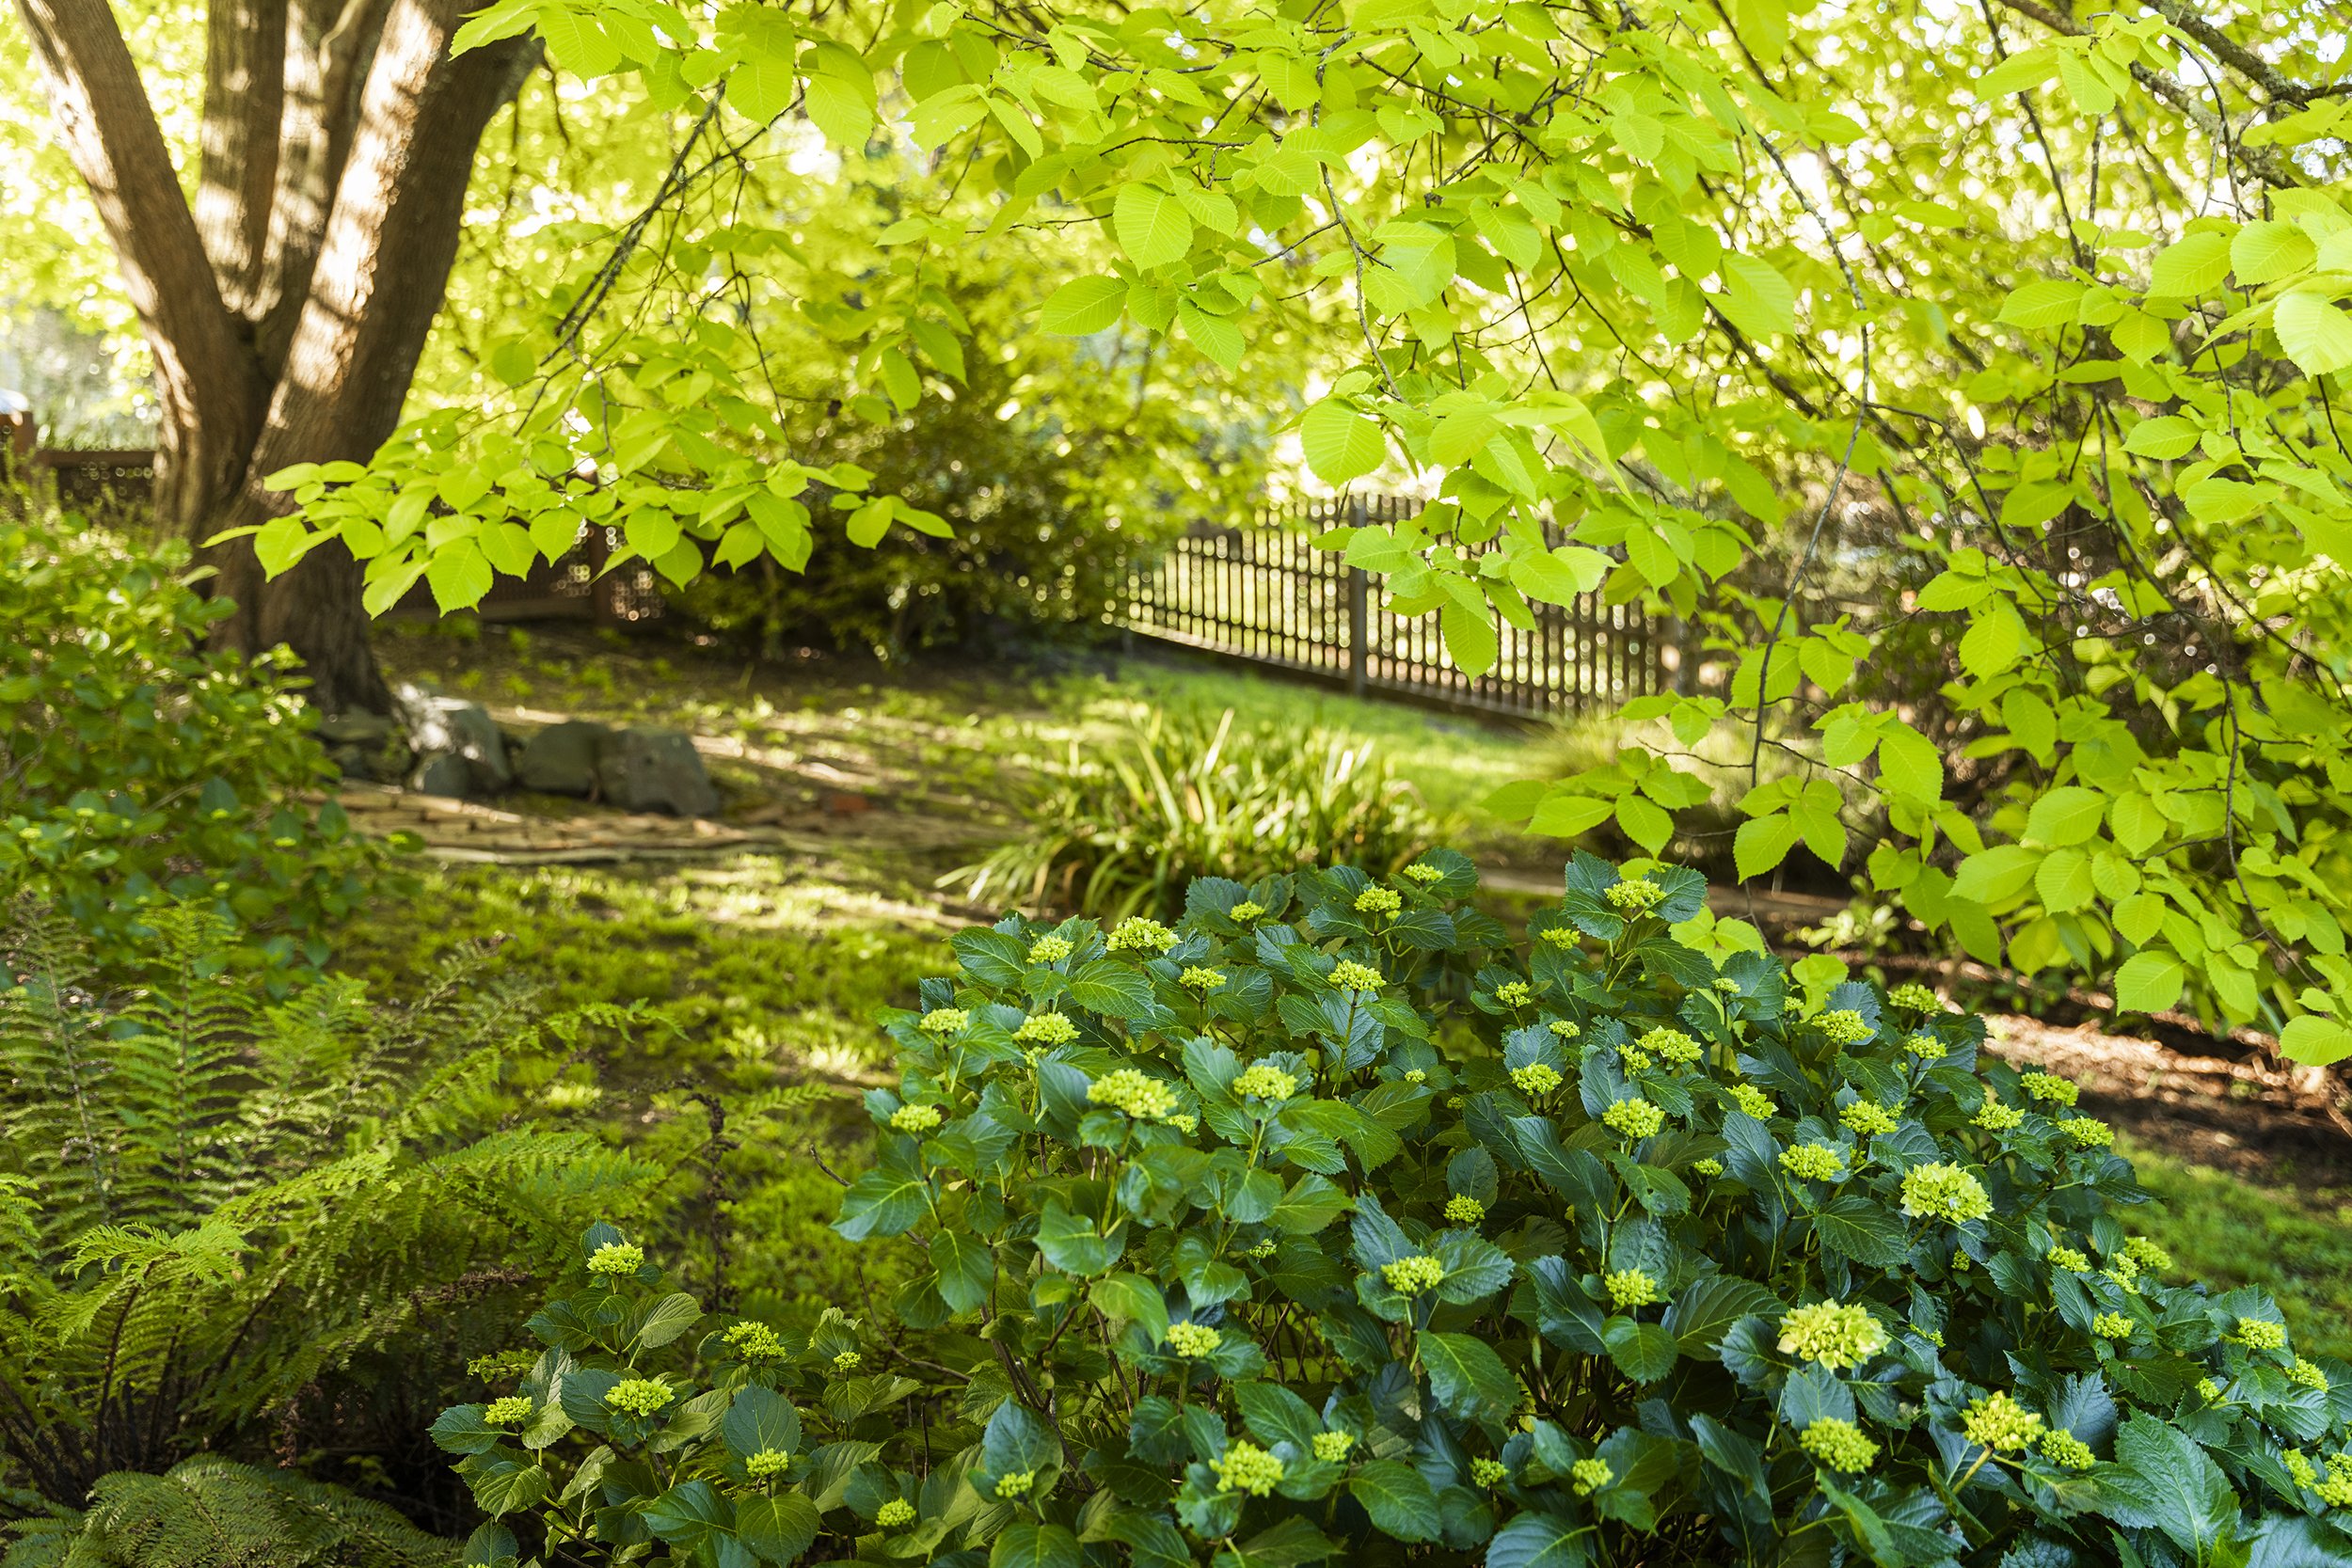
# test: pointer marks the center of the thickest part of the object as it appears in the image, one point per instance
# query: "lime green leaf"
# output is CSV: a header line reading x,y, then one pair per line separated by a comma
x,y
2267,250
2315,1041
2194,266
1083,306
1341,443
2315,334
1470,640
2068,815
1152,227
1759,301
2149,982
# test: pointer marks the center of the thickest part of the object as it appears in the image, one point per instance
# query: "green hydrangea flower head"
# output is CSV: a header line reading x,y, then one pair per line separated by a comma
x,y
2111,1326
1942,1190
1869,1120
753,1341
1833,1334
1264,1083
1565,1029
1193,1341
1588,1476
1379,902
1536,1080
638,1395
2208,1391
1839,1444
2067,1258
1489,1472
1410,1276
1464,1209
1201,978
616,1258
1515,994
2308,1374
1562,937
1726,986
2336,1491
1843,1026
2061,1447
1331,1447
1050,950
1913,997
1708,1167
1673,1044
2300,1466
2148,1255
1994,1117
1926,1047
896,1511
1185,1122
2260,1334
1634,1058
1347,974
1416,1075
1629,1288
2049,1088
1139,1094
1017,1484
1753,1102
944,1022
1139,933
1423,874
1247,1467
915,1118
1634,895
847,1361
1263,1249
507,1412
1046,1029
1634,1118
767,1462
2087,1132
1813,1161
1998,1422
1245,912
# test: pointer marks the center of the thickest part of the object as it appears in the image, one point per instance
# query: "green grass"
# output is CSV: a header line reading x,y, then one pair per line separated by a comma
x,y
2228,1231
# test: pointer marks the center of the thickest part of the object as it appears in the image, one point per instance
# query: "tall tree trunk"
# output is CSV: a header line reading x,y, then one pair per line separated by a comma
x,y
286,310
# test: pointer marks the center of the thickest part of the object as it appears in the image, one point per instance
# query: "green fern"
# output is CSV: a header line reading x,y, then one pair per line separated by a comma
x,y
213,1512
213,1206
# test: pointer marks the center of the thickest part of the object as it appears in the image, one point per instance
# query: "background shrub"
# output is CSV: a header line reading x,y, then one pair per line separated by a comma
x,y
139,767
1035,551
1122,829
1326,1224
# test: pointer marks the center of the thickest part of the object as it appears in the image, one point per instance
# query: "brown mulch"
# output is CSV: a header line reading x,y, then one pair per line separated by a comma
x,y
2221,1105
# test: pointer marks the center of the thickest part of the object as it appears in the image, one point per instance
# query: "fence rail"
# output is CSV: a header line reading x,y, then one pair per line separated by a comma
x,y
1264,594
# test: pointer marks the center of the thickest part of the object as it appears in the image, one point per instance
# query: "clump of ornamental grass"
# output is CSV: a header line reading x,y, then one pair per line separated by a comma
x,y
1402,1240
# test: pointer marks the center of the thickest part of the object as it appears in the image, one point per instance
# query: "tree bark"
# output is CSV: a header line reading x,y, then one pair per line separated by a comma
x,y
286,312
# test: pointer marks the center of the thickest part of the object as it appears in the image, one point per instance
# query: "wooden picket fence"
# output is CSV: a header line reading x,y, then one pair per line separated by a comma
x,y
1265,595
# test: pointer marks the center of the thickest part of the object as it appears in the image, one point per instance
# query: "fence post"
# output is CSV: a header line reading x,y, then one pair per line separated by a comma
x,y
1358,617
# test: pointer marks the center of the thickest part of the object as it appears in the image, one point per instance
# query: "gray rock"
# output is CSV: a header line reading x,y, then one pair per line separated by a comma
x,y
357,728
449,726
561,758
646,769
447,774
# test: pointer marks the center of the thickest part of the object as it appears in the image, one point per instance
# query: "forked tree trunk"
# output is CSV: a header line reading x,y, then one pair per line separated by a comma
x,y
287,308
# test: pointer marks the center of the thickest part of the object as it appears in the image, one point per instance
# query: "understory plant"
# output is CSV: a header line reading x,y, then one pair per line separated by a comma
x,y
139,768
1122,829
261,1228
1327,1223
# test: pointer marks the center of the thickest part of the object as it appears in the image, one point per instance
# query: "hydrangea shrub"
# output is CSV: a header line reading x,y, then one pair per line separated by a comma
x,y
1327,1222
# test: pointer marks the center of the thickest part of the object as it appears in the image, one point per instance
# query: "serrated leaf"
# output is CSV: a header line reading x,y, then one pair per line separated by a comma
x,y
1151,225
2149,982
1340,444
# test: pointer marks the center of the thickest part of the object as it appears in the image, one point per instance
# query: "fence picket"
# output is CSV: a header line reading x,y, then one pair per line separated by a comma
x,y
1266,596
